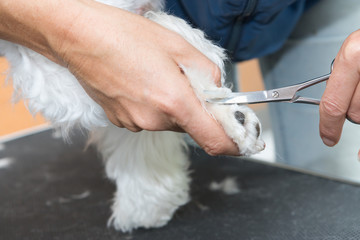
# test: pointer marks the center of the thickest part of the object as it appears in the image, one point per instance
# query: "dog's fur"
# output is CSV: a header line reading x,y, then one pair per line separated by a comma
x,y
149,168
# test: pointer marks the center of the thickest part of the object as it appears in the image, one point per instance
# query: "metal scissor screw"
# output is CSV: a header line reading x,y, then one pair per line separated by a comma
x,y
275,94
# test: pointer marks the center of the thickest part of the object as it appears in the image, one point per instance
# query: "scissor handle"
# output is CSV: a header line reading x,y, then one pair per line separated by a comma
x,y
332,66
311,82
301,86
306,100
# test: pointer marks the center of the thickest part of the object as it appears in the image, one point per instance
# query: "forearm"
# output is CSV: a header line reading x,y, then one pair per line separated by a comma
x,y
37,24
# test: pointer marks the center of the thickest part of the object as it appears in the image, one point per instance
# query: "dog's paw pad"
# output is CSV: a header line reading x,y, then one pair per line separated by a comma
x,y
240,117
258,130
248,135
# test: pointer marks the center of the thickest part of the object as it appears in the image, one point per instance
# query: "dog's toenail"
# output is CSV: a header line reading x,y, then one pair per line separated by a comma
x,y
257,129
240,117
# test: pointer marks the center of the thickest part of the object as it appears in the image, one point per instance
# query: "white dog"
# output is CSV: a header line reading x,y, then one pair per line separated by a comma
x,y
149,168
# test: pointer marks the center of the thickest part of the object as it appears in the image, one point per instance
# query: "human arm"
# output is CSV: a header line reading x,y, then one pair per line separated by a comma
x,y
341,98
126,63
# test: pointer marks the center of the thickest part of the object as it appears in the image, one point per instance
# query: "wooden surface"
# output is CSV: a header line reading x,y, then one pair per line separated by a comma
x,y
13,117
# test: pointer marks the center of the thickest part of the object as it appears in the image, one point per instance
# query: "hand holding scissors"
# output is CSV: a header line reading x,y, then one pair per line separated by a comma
x,y
284,94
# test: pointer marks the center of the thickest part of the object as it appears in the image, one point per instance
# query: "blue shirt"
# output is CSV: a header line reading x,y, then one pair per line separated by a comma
x,y
246,28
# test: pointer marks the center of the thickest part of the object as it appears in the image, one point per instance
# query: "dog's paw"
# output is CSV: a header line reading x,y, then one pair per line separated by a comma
x,y
150,173
126,218
147,205
239,122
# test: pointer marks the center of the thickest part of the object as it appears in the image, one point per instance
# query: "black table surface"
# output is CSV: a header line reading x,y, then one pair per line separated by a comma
x,y
55,190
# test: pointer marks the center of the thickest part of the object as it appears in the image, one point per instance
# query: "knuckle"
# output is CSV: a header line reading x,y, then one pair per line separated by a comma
x,y
141,123
141,120
149,124
352,47
214,148
169,104
332,108
130,125
133,129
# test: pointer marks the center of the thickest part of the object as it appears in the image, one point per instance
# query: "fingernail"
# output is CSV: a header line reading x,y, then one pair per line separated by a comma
x,y
328,142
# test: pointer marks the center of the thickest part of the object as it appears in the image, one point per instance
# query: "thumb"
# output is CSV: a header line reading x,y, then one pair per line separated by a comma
x,y
206,131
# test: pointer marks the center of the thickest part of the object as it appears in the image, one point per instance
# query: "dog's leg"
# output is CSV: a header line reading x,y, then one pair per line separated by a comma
x,y
239,122
150,172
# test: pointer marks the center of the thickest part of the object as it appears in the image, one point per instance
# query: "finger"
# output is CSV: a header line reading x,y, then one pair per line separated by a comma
x,y
146,117
201,62
209,134
336,100
120,119
216,74
203,128
208,67
353,113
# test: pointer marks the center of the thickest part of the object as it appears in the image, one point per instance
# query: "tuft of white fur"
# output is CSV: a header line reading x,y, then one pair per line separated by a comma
x,y
227,186
6,162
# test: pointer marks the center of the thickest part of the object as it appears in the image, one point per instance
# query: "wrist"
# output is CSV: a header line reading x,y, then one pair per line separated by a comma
x,y
39,24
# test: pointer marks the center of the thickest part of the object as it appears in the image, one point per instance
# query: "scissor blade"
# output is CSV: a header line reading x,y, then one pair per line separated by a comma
x,y
244,98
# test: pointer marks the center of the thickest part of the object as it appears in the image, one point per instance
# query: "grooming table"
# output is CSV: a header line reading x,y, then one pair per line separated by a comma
x,y
53,190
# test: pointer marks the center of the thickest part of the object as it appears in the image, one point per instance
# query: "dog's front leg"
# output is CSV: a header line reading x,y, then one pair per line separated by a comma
x,y
150,172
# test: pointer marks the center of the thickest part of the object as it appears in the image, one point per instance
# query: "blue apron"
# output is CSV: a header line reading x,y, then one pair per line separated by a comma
x,y
246,28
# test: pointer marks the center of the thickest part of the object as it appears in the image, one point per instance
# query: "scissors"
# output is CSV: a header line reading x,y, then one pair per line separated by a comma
x,y
284,94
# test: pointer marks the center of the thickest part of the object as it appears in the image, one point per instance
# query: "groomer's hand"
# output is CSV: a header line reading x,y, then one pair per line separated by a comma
x,y
341,98
126,63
